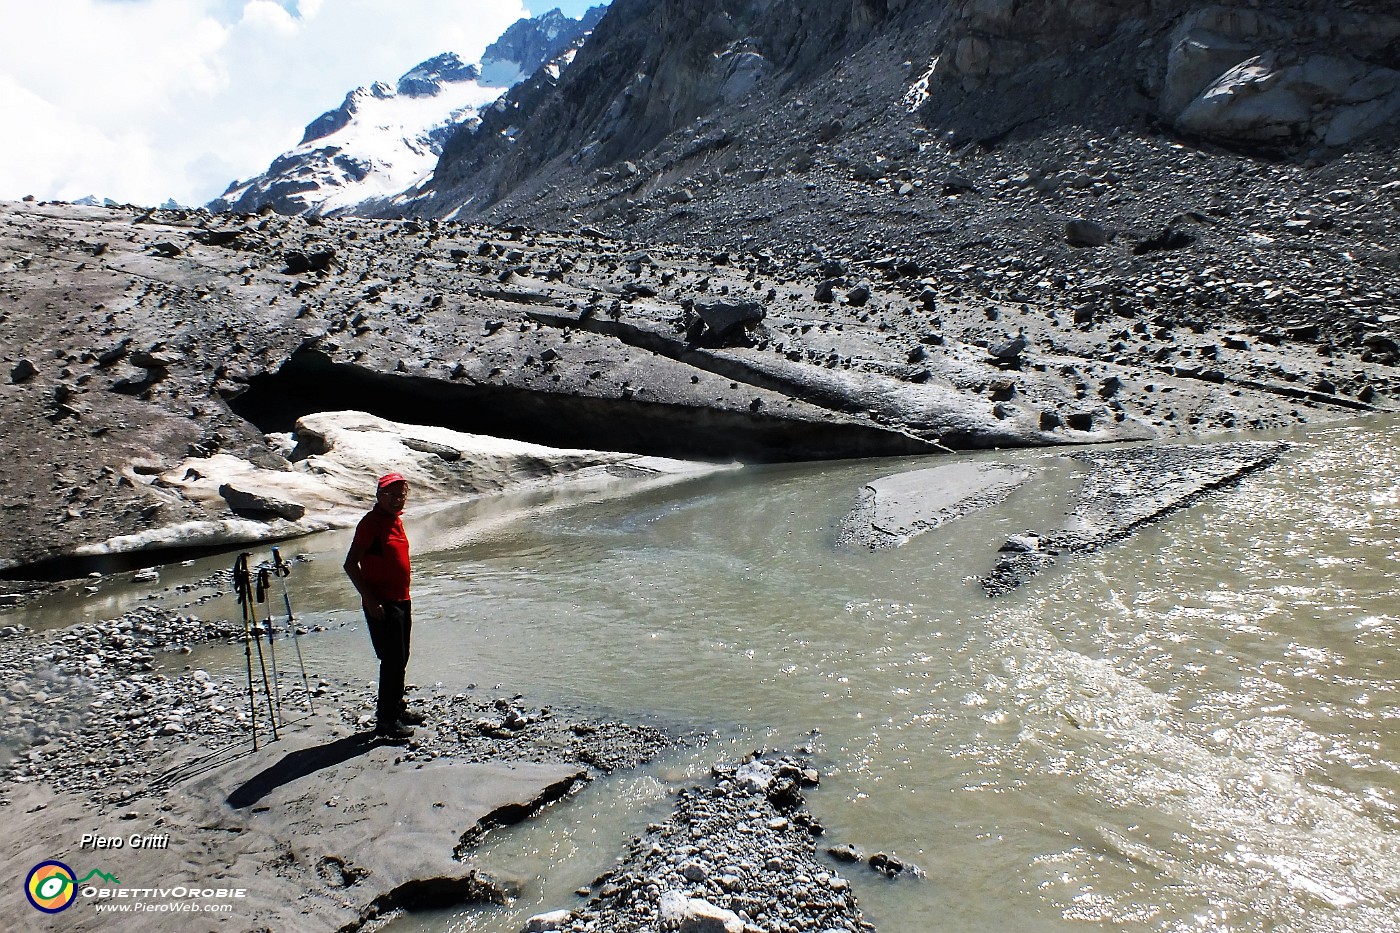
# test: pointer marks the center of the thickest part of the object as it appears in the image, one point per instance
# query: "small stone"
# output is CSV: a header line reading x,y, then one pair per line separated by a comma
x,y
23,371
888,865
546,922
845,853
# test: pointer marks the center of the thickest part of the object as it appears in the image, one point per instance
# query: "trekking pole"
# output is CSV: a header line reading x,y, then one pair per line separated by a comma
x,y
282,569
251,612
265,584
240,586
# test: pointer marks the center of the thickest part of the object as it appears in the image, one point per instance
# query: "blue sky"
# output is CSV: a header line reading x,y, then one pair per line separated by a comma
x,y
142,100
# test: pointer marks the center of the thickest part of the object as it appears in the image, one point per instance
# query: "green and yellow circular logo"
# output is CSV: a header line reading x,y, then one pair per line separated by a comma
x,y
50,886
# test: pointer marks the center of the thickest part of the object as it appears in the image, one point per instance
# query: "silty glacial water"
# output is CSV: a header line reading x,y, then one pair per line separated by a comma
x,y
1192,729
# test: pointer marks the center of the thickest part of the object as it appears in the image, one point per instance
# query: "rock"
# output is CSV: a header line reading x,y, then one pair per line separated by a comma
x,y
155,358
1027,543
442,451
887,865
23,371
858,296
167,249
845,853
722,318
227,236
682,914
547,922
111,354
1009,352
1290,97
1205,45
1086,233
299,262
1002,390
755,775
256,505
1383,342
1169,238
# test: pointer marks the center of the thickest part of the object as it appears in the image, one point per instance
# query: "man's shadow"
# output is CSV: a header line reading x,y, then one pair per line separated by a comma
x,y
299,764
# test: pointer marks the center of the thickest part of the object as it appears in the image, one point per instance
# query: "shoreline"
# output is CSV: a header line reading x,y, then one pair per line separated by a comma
x,y
151,793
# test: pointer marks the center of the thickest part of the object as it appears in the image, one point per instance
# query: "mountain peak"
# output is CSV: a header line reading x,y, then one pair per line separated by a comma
x,y
427,78
384,138
530,43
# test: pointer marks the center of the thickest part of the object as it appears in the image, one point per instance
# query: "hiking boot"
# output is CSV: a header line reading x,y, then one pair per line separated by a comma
x,y
394,732
409,718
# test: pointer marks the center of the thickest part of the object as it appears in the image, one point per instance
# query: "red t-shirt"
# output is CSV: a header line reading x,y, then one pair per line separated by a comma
x,y
383,548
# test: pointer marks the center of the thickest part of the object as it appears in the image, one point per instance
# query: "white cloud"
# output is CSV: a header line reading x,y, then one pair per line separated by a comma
x,y
140,100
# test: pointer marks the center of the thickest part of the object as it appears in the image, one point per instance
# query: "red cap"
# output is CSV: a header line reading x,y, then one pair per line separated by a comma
x,y
389,479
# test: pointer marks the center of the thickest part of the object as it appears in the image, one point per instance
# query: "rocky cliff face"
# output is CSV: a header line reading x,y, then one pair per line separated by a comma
x,y
530,44
655,67
385,138
1284,76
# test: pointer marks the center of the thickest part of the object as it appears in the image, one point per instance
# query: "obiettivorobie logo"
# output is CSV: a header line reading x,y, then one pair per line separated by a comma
x,y
52,886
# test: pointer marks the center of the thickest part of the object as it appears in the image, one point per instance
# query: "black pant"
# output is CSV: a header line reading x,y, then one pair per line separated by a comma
x,y
390,638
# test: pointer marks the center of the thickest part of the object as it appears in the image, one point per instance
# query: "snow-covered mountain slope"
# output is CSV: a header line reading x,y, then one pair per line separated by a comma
x,y
385,138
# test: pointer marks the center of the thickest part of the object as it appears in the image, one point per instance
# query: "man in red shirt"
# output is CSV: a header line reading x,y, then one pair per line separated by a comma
x,y
378,565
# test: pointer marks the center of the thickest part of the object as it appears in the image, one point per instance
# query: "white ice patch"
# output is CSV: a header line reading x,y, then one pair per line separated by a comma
x,y
918,92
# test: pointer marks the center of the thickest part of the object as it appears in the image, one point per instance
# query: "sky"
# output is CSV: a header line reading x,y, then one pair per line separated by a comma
x,y
144,100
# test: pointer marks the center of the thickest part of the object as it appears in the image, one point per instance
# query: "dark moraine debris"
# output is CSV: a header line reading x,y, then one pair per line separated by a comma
x,y
738,855
1122,491
894,509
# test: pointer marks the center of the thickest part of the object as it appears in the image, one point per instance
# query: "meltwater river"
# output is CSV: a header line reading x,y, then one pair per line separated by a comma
x,y
1195,729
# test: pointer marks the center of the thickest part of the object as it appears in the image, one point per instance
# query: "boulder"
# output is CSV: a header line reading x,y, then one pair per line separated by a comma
x,y
1009,352
1168,238
1086,233
258,505
1288,98
1206,44
299,261
1245,77
723,318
